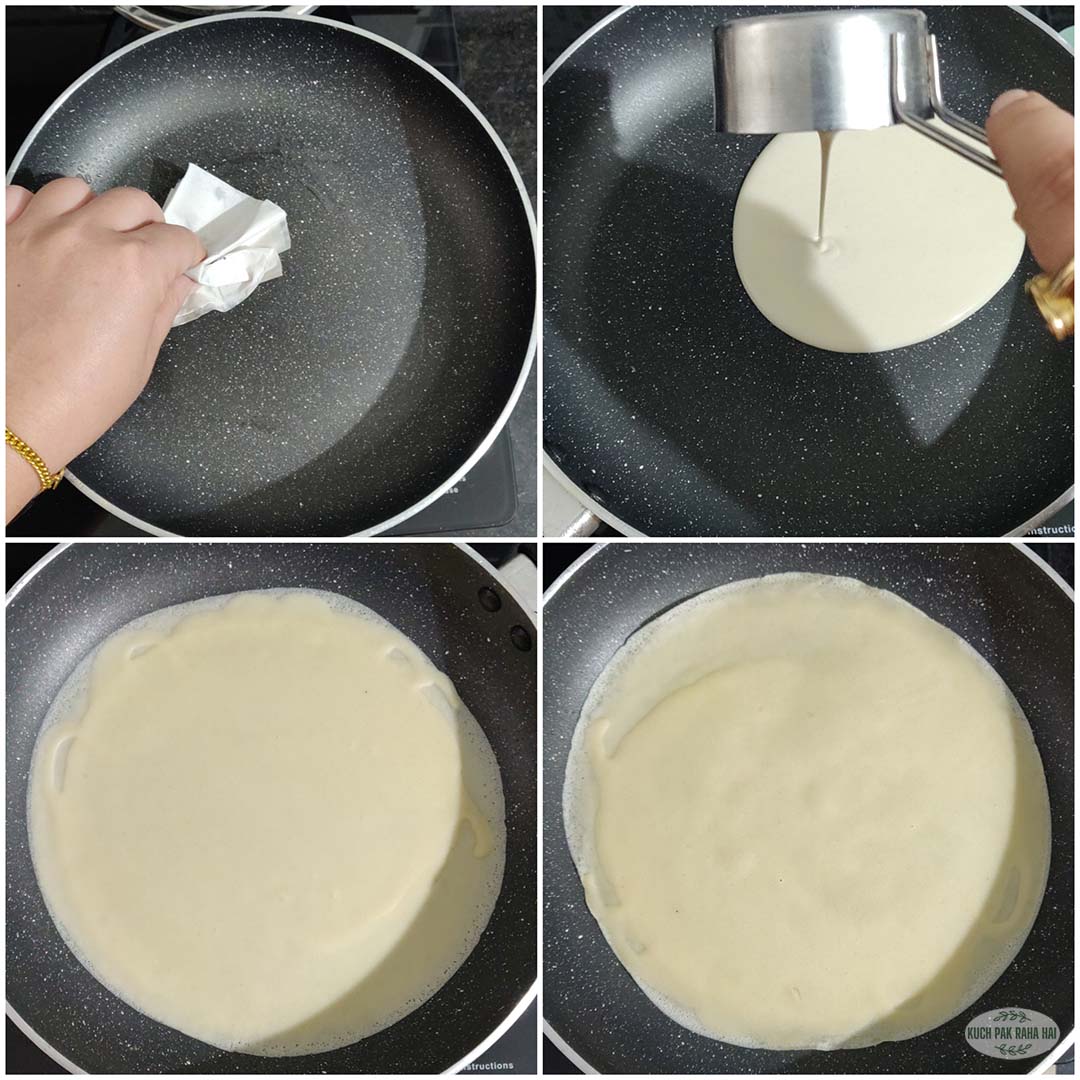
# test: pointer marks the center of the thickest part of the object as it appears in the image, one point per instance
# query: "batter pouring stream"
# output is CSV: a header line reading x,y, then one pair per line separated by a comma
x,y
826,138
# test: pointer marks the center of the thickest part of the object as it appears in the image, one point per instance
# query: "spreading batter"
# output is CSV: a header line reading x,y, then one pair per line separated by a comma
x,y
267,821
807,816
915,239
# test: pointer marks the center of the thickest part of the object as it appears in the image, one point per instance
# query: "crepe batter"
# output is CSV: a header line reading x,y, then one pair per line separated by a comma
x,y
917,239
266,820
805,815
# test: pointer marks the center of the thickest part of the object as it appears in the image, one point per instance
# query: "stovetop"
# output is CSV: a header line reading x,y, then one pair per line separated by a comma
x,y
74,39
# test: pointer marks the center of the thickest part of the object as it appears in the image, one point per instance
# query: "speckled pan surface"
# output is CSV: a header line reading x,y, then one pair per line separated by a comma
x,y
673,403
429,591
1000,601
341,395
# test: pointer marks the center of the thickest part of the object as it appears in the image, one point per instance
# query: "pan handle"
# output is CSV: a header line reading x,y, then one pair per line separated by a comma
x,y
519,573
585,524
152,20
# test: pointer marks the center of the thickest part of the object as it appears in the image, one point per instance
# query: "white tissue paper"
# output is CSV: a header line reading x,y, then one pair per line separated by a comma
x,y
243,238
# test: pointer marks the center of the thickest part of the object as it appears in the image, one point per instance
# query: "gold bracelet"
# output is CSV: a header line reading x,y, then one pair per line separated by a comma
x,y
1053,296
49,481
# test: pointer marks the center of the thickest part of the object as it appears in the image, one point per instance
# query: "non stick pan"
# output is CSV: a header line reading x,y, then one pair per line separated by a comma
x,y
439,595
674,408
357,388
1007,604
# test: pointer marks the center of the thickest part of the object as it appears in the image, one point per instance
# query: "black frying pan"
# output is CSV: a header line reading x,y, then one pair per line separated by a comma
x,y
441,597
1004,602
677,409
354,390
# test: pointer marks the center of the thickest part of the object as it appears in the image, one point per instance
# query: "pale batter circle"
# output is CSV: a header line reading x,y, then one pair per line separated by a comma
x,y
266,820
916,239
806,815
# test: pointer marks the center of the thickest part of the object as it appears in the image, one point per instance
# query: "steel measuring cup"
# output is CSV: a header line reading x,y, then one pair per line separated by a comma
x,y
833,71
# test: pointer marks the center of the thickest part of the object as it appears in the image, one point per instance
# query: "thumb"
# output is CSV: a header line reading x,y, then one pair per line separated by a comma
x,y
175,295
1033,141
18,199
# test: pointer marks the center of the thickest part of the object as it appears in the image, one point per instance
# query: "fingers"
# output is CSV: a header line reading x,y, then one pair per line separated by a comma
x,y
125,209
122,209
18,198
1033,140
59,197
176,249
175,295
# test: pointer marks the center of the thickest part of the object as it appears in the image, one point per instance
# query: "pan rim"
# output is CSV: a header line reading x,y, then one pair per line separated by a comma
x,y
461,545
530,352
607,516
620,11
565,1048
590,504
508,1021
599,545
526,999
1022,547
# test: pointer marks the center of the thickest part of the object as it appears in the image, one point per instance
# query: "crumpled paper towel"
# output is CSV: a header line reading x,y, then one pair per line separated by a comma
x,y
243,238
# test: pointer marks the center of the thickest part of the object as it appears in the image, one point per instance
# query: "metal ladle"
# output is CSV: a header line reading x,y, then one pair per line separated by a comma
x,y
834,71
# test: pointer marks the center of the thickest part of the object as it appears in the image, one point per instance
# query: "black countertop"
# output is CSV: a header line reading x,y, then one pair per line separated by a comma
x,y
498,70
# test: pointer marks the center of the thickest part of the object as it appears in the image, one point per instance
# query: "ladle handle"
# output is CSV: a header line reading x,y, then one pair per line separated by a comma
x,y
946,115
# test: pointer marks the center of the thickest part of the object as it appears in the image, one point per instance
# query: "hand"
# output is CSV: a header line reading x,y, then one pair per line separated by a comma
x,y
93,285
1033,141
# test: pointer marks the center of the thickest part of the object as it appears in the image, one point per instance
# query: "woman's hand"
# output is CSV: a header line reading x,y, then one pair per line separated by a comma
x,y
93,285
1033,141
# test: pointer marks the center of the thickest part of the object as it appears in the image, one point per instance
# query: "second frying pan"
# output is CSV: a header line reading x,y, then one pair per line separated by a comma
x,y
1008,605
